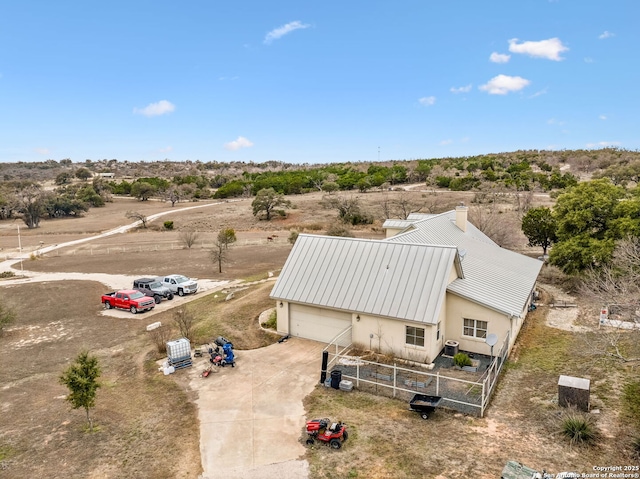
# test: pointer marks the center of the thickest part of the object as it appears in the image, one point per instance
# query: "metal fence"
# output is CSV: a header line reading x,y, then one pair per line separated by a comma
x,y
400,381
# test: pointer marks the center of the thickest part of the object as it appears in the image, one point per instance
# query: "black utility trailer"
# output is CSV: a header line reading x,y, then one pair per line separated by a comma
x,y
424,404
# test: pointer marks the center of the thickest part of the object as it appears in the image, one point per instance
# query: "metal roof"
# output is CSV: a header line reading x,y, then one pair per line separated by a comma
x,y
493,276
397,223
392,279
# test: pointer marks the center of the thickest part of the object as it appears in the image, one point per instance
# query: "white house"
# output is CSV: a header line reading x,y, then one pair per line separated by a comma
x,y
438,279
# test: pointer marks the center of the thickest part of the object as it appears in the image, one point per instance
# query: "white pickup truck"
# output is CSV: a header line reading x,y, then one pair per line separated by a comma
x,y
179,284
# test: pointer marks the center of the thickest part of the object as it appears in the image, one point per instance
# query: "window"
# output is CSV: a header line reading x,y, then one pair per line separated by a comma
x,y
438,332
475,328
415,336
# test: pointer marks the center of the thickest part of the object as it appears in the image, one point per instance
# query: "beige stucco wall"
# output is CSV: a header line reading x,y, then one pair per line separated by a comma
x,y
388,336
458,309
283,316
392,231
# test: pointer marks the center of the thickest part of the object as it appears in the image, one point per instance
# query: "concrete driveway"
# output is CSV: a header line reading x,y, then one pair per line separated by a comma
x,y
251,416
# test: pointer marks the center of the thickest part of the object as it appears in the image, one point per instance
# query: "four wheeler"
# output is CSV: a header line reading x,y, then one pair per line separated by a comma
x,y
323,430
224,357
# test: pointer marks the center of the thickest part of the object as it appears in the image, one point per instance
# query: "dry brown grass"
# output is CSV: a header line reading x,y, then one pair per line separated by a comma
x,y
522,422
147,423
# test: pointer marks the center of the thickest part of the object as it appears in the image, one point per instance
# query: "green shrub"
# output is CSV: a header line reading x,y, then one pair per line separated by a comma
x,y
339,230
578,428
168,225
7,274
272,322
461,359
293,236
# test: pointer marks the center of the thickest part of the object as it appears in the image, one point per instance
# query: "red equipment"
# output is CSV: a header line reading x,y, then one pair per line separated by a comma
x,y
325,431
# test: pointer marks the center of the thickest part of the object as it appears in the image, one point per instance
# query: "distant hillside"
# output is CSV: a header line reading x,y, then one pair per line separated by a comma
x,y
518,169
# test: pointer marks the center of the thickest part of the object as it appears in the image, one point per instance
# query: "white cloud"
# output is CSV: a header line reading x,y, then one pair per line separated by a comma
x,y
43,151
588,60
549,49
539,93
603,117
446,142
606,34
283,30
503,84
427,100
166,149
238,143
462,89
155,109
553,121
603,144
499,57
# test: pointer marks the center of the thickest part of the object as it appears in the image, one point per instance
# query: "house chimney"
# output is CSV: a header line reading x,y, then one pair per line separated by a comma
x,y
461,217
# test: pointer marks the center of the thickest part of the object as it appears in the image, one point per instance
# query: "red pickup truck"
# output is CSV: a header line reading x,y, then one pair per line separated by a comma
x,y
129,299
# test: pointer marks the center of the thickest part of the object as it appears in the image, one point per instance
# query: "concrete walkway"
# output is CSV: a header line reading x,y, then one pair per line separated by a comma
x,y
251,416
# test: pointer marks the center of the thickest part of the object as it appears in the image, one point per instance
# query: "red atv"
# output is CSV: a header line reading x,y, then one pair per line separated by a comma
x,y
325,431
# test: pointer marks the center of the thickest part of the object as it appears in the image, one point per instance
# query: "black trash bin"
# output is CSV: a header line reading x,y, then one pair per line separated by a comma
x,y
336,377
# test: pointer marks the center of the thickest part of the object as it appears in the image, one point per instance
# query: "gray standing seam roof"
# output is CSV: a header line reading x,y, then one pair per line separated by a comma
x,y
493,276
390,279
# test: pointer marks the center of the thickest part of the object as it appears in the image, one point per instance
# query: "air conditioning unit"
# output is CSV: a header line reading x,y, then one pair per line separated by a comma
x,y
451,348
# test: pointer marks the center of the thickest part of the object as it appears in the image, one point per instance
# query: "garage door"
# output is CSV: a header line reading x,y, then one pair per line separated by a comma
x,y
319,324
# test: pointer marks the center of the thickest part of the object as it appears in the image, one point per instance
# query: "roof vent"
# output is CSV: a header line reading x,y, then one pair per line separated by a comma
x,y
462,253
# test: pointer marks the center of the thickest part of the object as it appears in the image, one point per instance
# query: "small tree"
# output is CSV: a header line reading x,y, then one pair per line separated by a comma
x,y
189,237
219,254
184,320
539,226
135,215
64,178
267,200
82,380
143,190
83,174
293,236
227,236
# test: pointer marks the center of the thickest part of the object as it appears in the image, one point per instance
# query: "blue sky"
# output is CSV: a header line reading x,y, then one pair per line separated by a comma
x,y
315,82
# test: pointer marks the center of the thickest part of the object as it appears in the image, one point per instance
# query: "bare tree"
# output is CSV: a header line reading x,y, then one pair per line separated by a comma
x,y
219,254
501,228
405,205
159,336
184,320
616,285
386,205
617,282
135,215
189,238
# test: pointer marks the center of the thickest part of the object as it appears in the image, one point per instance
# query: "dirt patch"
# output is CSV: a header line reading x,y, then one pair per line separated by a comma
x,y
140,416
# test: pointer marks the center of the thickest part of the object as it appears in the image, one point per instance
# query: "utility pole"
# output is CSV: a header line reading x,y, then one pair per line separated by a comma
x,y
20,248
